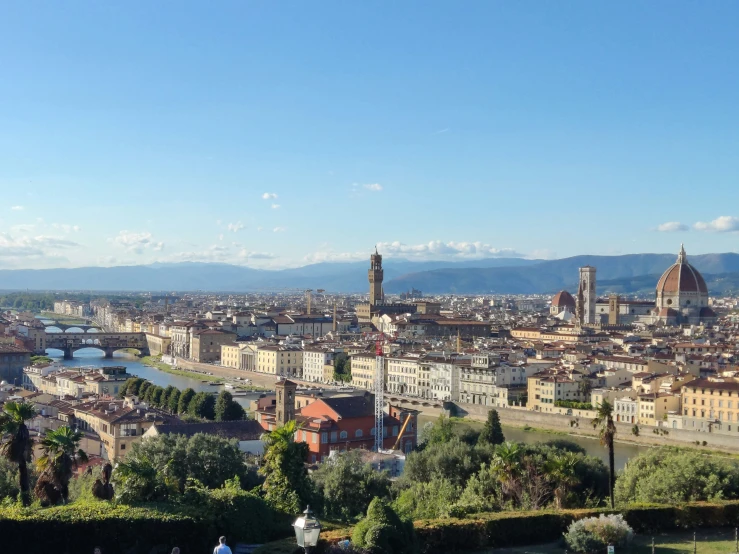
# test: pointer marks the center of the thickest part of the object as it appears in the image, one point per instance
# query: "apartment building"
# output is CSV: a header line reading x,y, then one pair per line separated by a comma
x,y
655,406
280,360
710,405
119,423
548,387
402,375
363,370
206,344
318,363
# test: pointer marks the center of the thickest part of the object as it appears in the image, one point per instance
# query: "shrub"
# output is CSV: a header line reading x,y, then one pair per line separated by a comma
x,y
594,534
383,532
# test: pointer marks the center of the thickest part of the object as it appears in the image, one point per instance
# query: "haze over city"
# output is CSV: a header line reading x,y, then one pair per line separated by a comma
x,y
275,134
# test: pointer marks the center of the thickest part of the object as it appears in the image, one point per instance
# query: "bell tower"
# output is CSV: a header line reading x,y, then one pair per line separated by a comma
x,y
587,286
285,402
375,275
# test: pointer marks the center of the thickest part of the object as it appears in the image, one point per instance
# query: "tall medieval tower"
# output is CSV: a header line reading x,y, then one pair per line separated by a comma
x,y
587,286
285,401
375,279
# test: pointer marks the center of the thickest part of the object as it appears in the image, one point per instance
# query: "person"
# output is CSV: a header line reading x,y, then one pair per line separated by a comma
x,y
221,548
175,550
97,550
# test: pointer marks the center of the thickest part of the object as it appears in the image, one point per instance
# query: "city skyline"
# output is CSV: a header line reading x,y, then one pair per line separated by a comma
x,y
281,135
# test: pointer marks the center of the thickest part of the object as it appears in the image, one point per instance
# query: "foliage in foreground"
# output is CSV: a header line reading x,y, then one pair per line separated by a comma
x,y
383,532
594,534
671,476
347,485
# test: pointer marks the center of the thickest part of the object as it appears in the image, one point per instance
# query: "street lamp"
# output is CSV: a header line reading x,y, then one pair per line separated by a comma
x,y
307,528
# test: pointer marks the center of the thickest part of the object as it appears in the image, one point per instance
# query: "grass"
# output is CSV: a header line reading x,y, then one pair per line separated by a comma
x,y
709,541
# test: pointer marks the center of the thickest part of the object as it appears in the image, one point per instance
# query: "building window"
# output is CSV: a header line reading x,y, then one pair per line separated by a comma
x,y
343,435
358,434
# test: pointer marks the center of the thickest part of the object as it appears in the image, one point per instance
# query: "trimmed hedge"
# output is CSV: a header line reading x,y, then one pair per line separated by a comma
x,y
78,528
505,529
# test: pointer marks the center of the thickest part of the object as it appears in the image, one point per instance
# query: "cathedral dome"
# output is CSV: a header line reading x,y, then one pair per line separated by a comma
x,y
681,277
563,299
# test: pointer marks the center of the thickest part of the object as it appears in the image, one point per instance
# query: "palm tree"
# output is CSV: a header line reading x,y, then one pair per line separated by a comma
x,y
61,452
607,430
506,466
17,446
282,435
562,471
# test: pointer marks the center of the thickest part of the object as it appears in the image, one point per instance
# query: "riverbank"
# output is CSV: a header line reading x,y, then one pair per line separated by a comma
x,y
63,319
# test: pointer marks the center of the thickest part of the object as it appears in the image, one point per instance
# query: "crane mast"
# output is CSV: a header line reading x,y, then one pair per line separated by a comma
x,y
379,393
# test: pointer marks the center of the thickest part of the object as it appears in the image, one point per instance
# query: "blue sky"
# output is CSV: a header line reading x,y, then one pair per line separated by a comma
x,y
276,134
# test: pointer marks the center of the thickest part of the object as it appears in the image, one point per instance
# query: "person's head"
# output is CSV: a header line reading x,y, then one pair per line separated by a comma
x,y
97,550
175,550
222,540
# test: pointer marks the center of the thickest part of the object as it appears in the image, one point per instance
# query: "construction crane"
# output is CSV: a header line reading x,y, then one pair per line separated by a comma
x,y
402,430
379,392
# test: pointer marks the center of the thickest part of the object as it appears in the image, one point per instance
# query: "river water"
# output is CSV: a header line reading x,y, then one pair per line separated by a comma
x,y
92,357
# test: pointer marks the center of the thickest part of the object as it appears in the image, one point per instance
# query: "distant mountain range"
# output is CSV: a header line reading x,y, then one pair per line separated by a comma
x,y
624,274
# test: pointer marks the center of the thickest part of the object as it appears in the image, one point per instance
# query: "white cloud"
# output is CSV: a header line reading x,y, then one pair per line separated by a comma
x,y
441,131
12,248
269,196
275,206
439,250
17,208
248,255
23,228
137,242
220,237
235,227
260,229
722,224
672,227
432,250
66,227
374,187
278,229
214,253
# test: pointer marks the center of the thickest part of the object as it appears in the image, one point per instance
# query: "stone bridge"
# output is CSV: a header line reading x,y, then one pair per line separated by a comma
x,y
69,343
64,326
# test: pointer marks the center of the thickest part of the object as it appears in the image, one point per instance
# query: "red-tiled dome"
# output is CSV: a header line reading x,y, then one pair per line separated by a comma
x,y
563,299
681,277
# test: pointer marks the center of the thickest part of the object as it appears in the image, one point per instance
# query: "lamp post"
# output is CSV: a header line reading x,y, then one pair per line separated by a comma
x,y
307,528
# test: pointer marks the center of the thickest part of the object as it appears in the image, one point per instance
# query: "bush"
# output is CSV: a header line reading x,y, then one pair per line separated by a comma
x,y
674,476
594,534
383,532
428,500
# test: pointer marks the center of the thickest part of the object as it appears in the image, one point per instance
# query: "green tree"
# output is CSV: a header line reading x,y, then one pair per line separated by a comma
x,y
145,386
562,472
173,401
383,532
435,499
124,389
156,396
453,460
60,453
342,368
203,406
160,467
607,431
227,409
164,400
675,476
183,404
441,431
286,486
134,389
17,446
492,432
347,485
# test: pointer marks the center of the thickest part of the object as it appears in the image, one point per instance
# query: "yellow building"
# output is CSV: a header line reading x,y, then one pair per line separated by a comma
x,y
363,370
280,360
231,355
119,423
711,405
547,388
654,407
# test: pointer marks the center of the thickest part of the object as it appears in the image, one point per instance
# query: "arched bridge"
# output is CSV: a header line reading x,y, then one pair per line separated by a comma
x,y
69,343
64,326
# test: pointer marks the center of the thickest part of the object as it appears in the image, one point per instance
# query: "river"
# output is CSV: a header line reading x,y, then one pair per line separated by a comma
x,y
92,357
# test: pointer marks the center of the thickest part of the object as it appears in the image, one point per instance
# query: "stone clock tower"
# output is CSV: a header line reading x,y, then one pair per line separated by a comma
x,y
587,286
375,279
